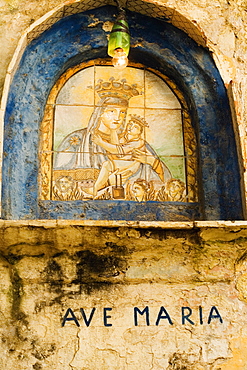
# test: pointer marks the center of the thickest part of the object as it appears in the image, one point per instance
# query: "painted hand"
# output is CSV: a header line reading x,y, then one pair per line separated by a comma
x,y
142,157
139,156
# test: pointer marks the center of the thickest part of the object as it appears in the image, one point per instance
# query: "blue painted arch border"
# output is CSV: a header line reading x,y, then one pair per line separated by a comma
x,y
157,45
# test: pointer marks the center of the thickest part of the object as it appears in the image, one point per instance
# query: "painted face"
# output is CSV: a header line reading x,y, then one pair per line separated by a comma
x,y
65,184
134,129
86,183
113,116
138,191
175,188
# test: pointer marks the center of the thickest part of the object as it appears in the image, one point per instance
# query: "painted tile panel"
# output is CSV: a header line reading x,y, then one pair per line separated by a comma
x,y
116,136
69,119
132,77
78,90
164,131
158,94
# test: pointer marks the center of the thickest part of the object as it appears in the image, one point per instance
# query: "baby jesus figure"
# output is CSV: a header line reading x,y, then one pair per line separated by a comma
x,y
121,156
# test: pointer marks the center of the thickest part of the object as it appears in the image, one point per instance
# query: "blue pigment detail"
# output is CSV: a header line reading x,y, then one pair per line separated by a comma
x,y
162,47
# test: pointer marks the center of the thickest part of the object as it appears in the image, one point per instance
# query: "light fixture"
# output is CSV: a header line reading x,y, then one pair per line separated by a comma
x,y
119,40
120,59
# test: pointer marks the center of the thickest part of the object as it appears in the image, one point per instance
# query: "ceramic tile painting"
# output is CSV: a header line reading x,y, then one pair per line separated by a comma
x,y
116,135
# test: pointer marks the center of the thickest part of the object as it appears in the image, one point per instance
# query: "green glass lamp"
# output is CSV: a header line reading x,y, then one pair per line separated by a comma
x,y
119,42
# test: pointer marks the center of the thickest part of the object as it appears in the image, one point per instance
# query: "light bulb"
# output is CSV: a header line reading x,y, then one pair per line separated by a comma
x,y
119,60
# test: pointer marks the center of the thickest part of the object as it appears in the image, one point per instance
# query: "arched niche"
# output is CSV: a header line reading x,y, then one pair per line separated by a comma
x,y
159,46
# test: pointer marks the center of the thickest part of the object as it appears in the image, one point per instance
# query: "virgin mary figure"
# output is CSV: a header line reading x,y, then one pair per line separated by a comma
x,y
81,158
77,150
78,156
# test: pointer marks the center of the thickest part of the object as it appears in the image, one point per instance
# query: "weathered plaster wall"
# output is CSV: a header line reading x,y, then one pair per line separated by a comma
x,y
48,267
222,23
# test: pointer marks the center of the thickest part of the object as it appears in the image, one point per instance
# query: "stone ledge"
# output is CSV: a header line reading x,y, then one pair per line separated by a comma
x,y
134,224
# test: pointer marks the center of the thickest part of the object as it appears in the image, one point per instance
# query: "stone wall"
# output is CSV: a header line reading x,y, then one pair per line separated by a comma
x,y
127,295
123,295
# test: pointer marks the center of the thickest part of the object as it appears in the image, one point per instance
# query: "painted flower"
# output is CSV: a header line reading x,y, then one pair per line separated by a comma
x,y
74,140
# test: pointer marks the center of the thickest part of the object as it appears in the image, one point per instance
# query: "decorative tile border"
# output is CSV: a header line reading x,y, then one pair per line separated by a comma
x,y
47,23
139,6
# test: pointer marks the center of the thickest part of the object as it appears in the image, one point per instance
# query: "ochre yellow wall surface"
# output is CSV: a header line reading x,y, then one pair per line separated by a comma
x,y
126,295
153,296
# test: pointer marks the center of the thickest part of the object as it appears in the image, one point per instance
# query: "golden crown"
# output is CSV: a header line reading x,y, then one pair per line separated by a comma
x,y
116,89
140,120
